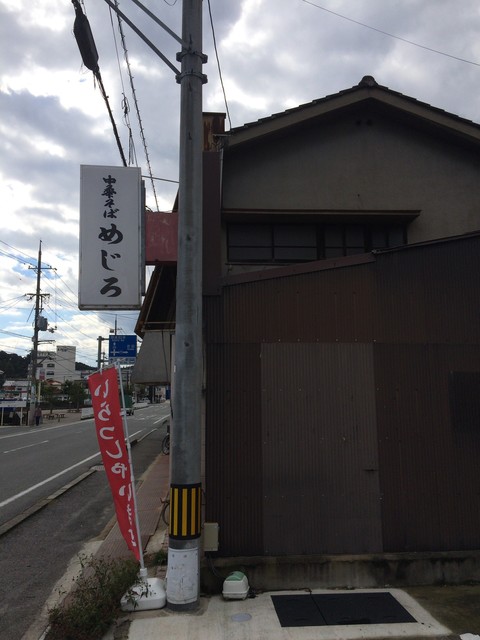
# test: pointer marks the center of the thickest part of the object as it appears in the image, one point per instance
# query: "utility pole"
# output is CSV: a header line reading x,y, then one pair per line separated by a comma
x,y
99,352
34,358
183,584
33,362
36,328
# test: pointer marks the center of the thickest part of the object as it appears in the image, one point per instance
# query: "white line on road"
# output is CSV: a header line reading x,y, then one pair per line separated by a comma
x,y
57,475
134,434
40,484
40,429
161,419
26,446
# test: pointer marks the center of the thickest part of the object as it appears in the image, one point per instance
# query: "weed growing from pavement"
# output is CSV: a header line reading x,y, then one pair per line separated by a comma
x,y
87,612
161,557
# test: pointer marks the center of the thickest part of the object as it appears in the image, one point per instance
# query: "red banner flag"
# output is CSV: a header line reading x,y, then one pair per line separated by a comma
x,y
111,439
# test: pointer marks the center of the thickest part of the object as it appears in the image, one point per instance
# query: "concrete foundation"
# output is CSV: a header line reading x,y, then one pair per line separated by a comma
x,y
345,571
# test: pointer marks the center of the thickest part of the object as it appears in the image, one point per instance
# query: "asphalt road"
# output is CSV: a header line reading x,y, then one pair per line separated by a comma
x,y
36,462
35,553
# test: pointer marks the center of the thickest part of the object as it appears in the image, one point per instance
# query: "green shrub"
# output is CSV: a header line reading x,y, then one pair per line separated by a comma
x,y
94,602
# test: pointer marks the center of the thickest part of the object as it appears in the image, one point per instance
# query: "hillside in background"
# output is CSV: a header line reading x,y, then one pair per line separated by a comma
x,y
15,367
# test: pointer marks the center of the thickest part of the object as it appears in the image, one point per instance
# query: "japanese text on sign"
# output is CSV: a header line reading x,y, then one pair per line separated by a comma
x,y
111,439
111,260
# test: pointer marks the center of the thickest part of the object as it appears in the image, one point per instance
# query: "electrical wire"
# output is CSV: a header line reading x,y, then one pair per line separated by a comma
x,y
132,157
391,35
218,64
64,299
137,108
112,120
11,302
5,254
32,261
86,44
16,335
7,346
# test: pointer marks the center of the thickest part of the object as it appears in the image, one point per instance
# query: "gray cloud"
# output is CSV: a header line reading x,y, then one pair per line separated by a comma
x,y
291,53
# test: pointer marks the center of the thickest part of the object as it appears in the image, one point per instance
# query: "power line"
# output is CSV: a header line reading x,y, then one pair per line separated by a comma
x,y
132,156
11,302
16,335
218,64
88,50
64,299
162,179
134,94
391,35
30,261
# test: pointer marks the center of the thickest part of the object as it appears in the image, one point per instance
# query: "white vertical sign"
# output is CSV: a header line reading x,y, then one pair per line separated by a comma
x,y
111,257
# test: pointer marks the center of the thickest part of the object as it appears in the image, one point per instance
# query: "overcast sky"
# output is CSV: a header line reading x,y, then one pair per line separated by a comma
x,y
274,55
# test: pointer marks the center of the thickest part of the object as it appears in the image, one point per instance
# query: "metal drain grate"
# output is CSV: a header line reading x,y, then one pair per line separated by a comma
x,y
315,610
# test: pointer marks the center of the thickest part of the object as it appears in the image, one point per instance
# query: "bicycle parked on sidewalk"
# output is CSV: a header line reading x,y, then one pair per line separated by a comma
x,y
166,442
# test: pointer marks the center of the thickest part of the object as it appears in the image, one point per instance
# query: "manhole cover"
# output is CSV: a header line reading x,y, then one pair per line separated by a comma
x,y
241,617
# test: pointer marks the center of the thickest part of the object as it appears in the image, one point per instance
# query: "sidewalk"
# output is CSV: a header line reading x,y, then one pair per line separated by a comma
x,y
439,611
151,490
218,619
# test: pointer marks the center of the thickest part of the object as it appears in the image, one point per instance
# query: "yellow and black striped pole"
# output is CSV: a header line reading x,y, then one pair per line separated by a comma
x,y
185,511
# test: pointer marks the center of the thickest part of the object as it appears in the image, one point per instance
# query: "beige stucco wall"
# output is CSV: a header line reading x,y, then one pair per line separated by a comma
x,y
364,161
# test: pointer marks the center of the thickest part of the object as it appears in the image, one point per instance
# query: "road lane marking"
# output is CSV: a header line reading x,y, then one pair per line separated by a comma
x,y
161,419
40,484
26,446
40,430
57,475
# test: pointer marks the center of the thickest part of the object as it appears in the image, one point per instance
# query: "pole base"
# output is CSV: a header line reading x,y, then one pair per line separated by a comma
x,y
146,594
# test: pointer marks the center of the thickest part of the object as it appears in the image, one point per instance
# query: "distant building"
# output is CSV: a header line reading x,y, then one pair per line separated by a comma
x,y
58,365
16,389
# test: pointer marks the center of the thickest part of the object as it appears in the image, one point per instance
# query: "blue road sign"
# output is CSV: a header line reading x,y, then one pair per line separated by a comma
x,y
122,347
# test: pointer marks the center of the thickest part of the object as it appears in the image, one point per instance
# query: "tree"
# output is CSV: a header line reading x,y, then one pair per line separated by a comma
x,y
80,366
48,393
75,391
14,367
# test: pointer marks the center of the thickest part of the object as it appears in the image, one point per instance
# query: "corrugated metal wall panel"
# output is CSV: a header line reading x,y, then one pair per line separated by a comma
x,y
326,306
233,448
428,471
427,316
426,294
418,309
319,449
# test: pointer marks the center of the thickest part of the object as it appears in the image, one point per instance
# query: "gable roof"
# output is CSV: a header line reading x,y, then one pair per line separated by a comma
x,y
367,91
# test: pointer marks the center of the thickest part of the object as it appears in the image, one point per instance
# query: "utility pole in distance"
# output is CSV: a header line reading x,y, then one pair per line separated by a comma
x,y
99,352
33,361
36,328
183,584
